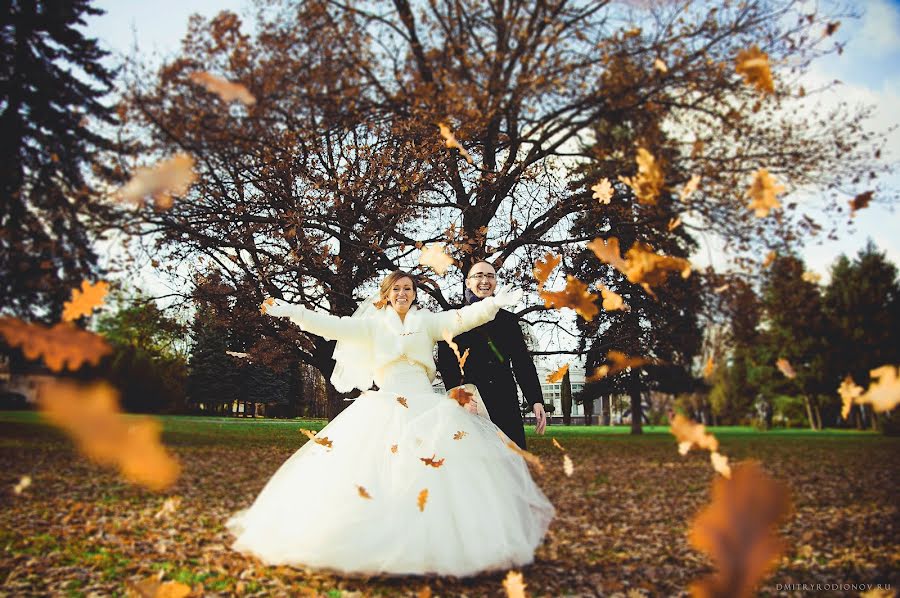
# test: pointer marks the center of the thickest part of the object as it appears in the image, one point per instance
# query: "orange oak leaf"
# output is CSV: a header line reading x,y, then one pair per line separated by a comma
x,y
568,466
363,493
514,585
223,88
640,265
648,181
620,361
433,256
785,367
543,267
451,142
320,440
161,181
61,346
558,375
529,457
753,64
738,531
422,499
849,391
689,434
459,435
461,395
431,461
883,393
90,415
402,401
612,301
607,251
84,301
603,191
575,296
860,201
763,192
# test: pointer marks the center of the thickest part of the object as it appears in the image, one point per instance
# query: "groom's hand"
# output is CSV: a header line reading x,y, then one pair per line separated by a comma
x,y
540,418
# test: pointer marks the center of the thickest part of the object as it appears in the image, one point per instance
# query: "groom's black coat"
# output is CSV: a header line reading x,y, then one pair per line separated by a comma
x,y
492,372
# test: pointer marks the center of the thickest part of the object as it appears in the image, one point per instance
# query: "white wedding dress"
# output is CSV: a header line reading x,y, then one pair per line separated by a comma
x,y
403,481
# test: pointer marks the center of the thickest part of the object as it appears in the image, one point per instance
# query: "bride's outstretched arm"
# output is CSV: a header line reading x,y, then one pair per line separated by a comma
x,y
341,328
457,321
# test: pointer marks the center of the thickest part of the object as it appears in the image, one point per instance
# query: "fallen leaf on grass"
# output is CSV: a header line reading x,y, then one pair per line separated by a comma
x,y
169,506
737,531
24,482
84,301
152,587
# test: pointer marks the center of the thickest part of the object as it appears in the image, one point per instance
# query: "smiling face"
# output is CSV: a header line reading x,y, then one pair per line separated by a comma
x,y
401,295
482,280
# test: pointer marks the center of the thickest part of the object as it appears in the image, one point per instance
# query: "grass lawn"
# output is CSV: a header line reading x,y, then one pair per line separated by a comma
x,y
621,524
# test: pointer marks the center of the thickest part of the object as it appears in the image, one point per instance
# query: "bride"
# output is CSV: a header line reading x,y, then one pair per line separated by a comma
x,y
403,481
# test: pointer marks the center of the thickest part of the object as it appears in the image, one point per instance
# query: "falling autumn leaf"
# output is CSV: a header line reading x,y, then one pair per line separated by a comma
x,y
640,265
558,375
753,64
737,531
543,267
451,142
529,457
612,301
770,257
363,493
461,395
84,301
883,393
830,28
575,296
558,445
161,181
320,440
23,483
720,463
461,359
849,392
431,461
689,434
784,366
811,277
90,415
689,188
514,585
568,466
598,374
61,346
402,401
603,191
648,181
860,201
226,90
459,435
433,256
659,65
422,499
267,303
763,192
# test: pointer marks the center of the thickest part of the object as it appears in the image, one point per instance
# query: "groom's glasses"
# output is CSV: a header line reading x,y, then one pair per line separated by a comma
x,y
479,277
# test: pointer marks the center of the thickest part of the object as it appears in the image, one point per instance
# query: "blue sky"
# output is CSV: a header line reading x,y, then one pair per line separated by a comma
x,y
869,70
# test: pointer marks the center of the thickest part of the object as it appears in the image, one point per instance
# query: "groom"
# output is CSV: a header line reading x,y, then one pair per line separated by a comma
x,y
497,349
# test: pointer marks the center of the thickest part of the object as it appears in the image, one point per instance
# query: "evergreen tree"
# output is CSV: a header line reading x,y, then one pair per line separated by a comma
x,y
213,379
52,83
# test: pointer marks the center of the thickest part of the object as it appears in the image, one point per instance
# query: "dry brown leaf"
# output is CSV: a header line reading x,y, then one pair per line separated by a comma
x,y
402,401
320,440
737,531
753,64
84,301
90,415
152,587
558,445
785,367
363,493
461,395
648,181
543,268
883,393
514,585
62,346
830,28
394,448
575,296
690,434
763,192
459,435
568,466
689,188
849,391
169,506
433,256
223,88
422,499
641,265
557,376
431,461
451,142
720,463
529,457
860,201
161,181
607,251
603,191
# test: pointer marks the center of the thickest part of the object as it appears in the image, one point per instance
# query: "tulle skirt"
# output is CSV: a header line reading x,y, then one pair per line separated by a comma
x,y
403,481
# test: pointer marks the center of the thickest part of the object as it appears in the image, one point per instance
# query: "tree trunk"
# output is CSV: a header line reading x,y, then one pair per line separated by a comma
x,y
818,413
605,401
588,410
565,397
336,402
637,411
809,412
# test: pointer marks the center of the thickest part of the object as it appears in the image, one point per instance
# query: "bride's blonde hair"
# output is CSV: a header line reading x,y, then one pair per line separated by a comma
x,y
389,282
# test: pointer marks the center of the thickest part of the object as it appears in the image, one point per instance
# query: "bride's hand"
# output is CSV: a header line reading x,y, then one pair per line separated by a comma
x,y
507,296
278,308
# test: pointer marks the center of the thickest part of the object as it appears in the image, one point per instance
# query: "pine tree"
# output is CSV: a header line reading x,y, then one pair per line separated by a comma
x,y
52,82
213,379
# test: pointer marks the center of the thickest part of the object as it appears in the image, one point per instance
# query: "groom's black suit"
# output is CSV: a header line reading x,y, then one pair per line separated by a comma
x,y
491,370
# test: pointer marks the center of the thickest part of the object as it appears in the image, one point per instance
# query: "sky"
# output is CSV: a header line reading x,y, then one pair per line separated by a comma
x,y
868,69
